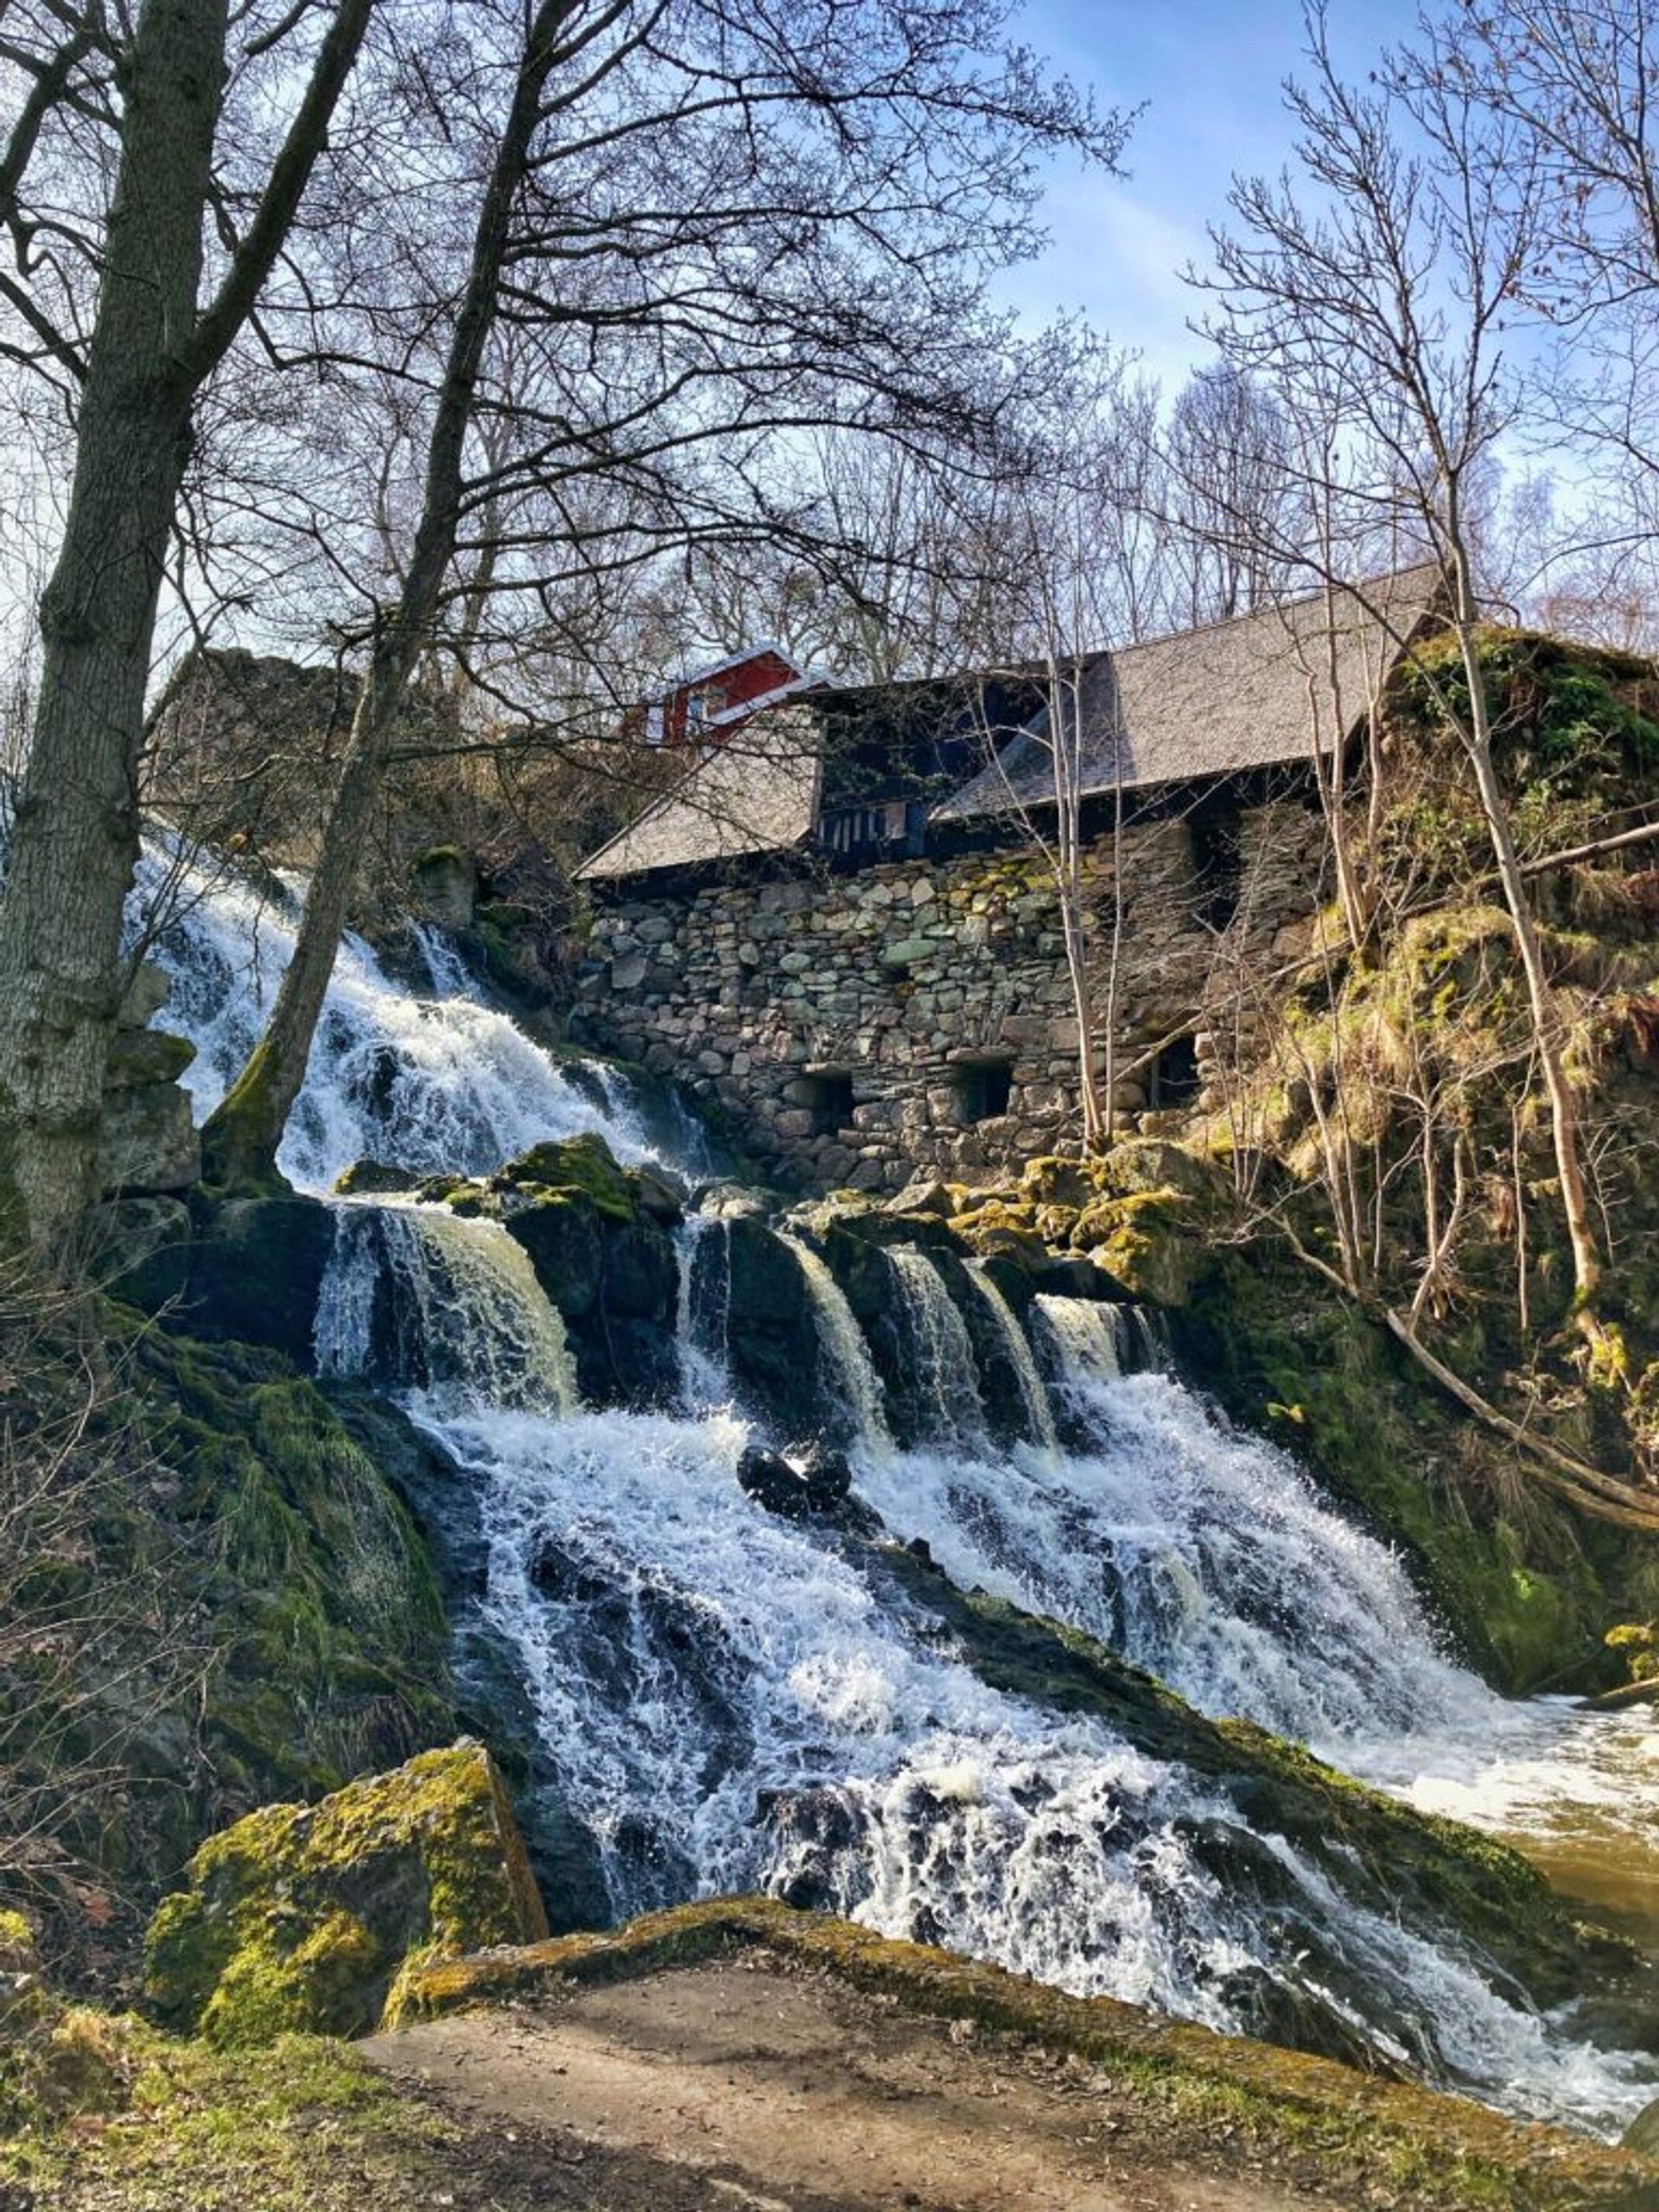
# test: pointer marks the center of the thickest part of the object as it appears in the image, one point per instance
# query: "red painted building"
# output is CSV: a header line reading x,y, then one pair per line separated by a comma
x,y
707,708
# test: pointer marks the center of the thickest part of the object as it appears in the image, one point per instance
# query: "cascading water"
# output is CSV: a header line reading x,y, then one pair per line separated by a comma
x,y
702,1248
945,1371
416,1299
445,1086
1086,1338
849,1381
723,1700
1033,1398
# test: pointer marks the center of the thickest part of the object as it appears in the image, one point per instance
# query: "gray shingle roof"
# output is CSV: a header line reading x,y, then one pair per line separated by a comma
x,y
759,793
1201,704
1239,695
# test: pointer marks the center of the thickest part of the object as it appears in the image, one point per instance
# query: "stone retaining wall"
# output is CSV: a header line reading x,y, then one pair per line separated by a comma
x,y
861,1029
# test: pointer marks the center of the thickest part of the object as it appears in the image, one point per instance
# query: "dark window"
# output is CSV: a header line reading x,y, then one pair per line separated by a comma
x,y
831,1101
1218,868
1174,1075
983,1089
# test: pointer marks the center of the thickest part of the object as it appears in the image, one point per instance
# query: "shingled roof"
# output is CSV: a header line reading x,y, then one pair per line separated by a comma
x,y
1219,701
758,793
1189,708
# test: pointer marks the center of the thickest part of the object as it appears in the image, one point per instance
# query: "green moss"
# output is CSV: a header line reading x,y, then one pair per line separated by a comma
x,y
240,1136
300,1917
114,2112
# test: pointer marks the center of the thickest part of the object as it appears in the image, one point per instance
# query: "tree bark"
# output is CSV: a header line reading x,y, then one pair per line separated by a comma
x,y
241,1137
76,831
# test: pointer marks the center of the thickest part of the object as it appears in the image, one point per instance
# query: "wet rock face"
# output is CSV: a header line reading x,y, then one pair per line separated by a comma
x,y
299,1917
818,1487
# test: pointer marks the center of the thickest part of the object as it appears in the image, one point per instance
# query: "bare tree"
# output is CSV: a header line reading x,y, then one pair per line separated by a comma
x,y
1398,273
707,234
151,347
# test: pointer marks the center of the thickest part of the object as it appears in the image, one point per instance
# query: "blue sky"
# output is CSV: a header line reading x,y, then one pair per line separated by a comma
x,y
1210,72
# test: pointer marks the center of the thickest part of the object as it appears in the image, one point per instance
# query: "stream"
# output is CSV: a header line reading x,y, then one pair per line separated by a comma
x,y
721,1700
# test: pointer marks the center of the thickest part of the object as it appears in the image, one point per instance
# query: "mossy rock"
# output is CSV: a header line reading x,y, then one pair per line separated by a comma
x,y
375,1179
145,1056
584,1163
1153,1242
562,1232
302,1917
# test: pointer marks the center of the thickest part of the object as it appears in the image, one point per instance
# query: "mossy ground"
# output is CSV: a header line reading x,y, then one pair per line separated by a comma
x,y
279,1626
110,2112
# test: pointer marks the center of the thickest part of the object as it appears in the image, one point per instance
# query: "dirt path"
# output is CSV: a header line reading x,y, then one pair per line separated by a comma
x,y
774,2089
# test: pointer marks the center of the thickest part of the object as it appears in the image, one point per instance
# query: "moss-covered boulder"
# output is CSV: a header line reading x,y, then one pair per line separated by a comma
x,y
302,1917
1154,1242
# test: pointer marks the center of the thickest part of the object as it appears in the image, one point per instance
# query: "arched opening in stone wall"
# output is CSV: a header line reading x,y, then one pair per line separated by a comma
x,y
983,1089
1172,1080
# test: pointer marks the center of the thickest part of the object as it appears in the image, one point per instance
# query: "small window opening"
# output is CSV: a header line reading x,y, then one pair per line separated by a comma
x,y
830,1102
1218,865
1174,1075
983,1089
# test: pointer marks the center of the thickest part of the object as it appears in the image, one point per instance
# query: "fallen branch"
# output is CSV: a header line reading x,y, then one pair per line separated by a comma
x,y
1643,834
1603,1496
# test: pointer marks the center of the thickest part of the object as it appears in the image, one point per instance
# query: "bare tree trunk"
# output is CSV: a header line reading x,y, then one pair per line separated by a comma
x,y
75,838
76,834
1546,1023
240,1140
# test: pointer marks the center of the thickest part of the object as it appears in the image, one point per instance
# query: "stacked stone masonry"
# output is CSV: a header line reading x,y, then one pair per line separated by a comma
x,y
919,1018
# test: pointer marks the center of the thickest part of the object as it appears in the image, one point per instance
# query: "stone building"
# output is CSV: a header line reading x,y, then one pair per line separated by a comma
x,y
847,930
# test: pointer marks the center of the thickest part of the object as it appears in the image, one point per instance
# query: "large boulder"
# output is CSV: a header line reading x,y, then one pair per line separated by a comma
x,y
302,1917
255,1271
147,1139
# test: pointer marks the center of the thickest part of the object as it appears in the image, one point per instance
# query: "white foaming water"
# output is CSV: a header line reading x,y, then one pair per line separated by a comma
x,y
1087,1339
435,1085
850,1377
468,1327
727,1701
1040,1418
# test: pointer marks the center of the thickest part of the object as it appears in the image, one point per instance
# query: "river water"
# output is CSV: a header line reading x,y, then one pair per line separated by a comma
x,y
723,1700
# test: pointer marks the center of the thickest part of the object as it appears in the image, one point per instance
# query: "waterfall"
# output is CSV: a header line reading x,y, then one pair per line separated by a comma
x,y
726,1701
721,1700
1087,1340
947,1373
436,1086
849,1380
417,1298
1033,1398
448,972
702,1251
